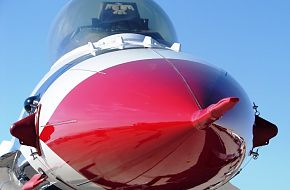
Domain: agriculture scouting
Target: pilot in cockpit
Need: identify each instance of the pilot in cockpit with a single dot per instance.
(86, 21)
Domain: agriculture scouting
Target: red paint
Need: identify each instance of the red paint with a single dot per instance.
(202, 80)
(205, 117)
(36, 180)
(134, 129)
(26, 130)
(48, 132)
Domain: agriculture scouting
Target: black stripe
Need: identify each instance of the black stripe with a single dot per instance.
(59, 72)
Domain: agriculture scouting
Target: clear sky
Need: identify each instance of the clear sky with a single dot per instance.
(250, 39)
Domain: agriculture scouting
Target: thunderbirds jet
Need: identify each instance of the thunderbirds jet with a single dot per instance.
(123, 108)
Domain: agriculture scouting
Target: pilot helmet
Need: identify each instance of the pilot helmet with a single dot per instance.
(83, 21)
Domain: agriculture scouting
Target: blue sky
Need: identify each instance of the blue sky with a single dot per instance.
(250, 39)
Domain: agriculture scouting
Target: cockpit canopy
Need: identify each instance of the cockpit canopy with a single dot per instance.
(83, 21)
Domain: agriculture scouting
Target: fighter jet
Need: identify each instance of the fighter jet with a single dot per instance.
(123, 108)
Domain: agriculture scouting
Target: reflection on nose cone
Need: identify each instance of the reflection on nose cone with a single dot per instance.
(134, 128)
(204, 118)
(210, 85)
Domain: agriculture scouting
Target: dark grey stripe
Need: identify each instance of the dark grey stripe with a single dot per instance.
(59, 72)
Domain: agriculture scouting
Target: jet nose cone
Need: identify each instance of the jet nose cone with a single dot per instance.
(133, 127)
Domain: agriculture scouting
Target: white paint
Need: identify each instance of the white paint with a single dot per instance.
(179, 55)
(148, 41)
(92, 48)
(57, 92)
(176, 47)
(5, 147)
(108, 60)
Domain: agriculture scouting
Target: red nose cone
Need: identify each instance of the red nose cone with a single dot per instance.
(133, 127)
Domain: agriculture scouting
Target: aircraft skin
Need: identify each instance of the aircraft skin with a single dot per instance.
(129, 113)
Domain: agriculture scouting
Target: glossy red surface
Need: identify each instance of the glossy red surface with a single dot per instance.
(210, 85)
(134, 129)
(36, 180)
(205, 117)
(26, 130)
